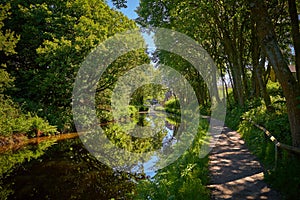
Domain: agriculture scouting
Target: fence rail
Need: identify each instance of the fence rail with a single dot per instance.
(275, 141)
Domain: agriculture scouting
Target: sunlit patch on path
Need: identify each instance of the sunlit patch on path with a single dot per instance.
(235, 173)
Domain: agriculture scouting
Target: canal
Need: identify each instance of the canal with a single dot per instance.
(60, 167)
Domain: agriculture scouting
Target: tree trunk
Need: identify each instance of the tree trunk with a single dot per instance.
(267, 37)
(254, 84)
(262, 87)
(226, 95)
(295, 35)
(231, 84)
(236, 70)
(255, 52)
(232, 51)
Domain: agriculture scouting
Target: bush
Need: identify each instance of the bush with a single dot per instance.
(286, 176)
(61, 117)
(142, 108)
(173, 106)
(205, 109)
(159, 108)
(14, 121)
(274, 89)
(133, 111)
(233, 117)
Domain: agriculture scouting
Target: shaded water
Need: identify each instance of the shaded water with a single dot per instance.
(64, 169)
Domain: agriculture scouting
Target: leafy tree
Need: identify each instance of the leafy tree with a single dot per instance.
(120, 3)
(7, 47)
(56, 36)
(12, 119)
(295, 34)
(267, 36)
(221, 28)
(225, 28)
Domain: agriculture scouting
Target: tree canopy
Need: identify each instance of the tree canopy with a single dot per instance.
(247, 40)
(55, 37)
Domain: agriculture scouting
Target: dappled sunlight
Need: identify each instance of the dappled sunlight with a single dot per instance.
(235, 172)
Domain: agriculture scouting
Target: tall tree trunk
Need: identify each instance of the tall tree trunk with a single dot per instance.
(231, 83)
(267, 37)
(245, 80)
(236, 69)
(232, 49)
(262, 87)
(255, 52)
(237, 85)
(254, 83)
(226, 94)
(295, 35)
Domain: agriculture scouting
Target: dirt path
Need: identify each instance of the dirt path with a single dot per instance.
(235, 172)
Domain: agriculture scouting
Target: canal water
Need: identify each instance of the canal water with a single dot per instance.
(64, 169)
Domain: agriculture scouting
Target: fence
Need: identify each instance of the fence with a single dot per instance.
(275, 141)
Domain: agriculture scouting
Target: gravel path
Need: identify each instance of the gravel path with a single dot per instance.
(236, 173)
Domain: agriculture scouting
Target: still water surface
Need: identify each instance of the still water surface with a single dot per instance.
(64, 169)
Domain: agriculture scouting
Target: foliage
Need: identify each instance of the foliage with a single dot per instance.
(274, 89)
(234, 34)
(6, 81)
(56, 36)
(14, 121)
(233, 117)
(133, 111)
(172, 106)
(147, 92)
(120, 3)
(7, 47)
(285, 176)
(8, 38)
(184, 179)
(205, 109)
(159, 108)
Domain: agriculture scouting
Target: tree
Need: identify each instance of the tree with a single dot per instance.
(220, 27)
(270, 46)
(120, 3)
(295, 35)
(227, 24)
(55, 38)
(7, 47)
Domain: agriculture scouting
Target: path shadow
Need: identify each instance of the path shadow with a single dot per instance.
(235, 173)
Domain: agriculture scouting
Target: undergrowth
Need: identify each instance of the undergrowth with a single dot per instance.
(173, 106)
(13, 121)
(285, 174)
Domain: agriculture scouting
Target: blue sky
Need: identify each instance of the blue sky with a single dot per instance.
(129, 11)
(131, 14)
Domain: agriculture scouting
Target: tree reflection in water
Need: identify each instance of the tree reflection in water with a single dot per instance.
(68, 171)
